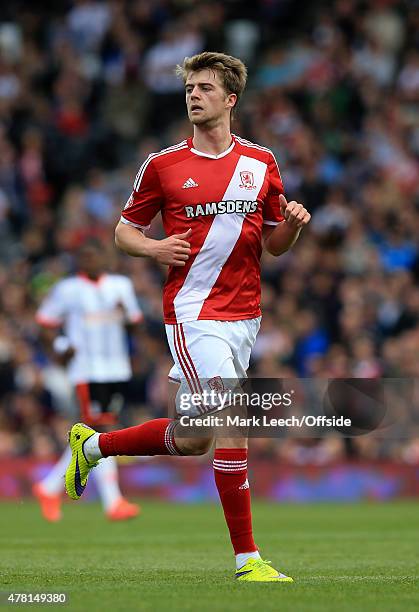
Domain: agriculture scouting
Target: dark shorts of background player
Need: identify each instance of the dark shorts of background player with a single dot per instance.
(101, 403)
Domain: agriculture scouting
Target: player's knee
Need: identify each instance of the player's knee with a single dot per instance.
(194, 446)
(202, 446)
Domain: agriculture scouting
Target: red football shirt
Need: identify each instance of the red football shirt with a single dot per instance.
(225, 199)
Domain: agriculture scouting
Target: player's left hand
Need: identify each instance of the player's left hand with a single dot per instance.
(120, 309)
(295, 215)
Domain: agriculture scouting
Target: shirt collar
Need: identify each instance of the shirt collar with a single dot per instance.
(209, 155)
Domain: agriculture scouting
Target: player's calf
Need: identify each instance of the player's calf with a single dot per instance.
(157, 437)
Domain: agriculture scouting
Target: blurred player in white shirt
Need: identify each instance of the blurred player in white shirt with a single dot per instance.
(85, 319)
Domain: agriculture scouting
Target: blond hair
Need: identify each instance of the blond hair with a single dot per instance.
(232, 71)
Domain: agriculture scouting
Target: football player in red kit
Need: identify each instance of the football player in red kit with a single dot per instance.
(221, 200)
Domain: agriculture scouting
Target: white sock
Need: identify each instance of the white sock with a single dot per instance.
(242, 558)
(105, 475)
(91, 448)
(53, 483)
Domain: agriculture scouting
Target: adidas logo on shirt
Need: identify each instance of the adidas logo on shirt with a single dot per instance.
(189, 183)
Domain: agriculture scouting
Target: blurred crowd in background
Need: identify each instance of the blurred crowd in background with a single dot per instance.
(87, 90)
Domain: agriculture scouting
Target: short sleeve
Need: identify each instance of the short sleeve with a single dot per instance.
(271, 210)
(146, 198)
(129, 300)
(53, 309)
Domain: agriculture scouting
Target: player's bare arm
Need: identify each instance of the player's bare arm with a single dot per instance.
(279, 239)
(172, 251)
(57, 344)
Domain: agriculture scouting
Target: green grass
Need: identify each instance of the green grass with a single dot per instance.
(343, 557)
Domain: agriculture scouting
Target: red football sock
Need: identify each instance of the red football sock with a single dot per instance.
(230, 470)
(152, 438)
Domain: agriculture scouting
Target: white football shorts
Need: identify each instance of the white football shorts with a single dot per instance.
(209, 355)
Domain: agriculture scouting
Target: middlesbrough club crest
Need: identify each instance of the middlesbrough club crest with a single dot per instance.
(247, 180)
(216, 384)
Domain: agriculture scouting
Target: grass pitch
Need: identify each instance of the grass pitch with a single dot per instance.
(357, 557)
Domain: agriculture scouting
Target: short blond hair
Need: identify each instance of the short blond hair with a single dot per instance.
(232, 71)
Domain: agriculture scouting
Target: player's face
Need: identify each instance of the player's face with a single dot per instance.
(91, 261)
(206, 99)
